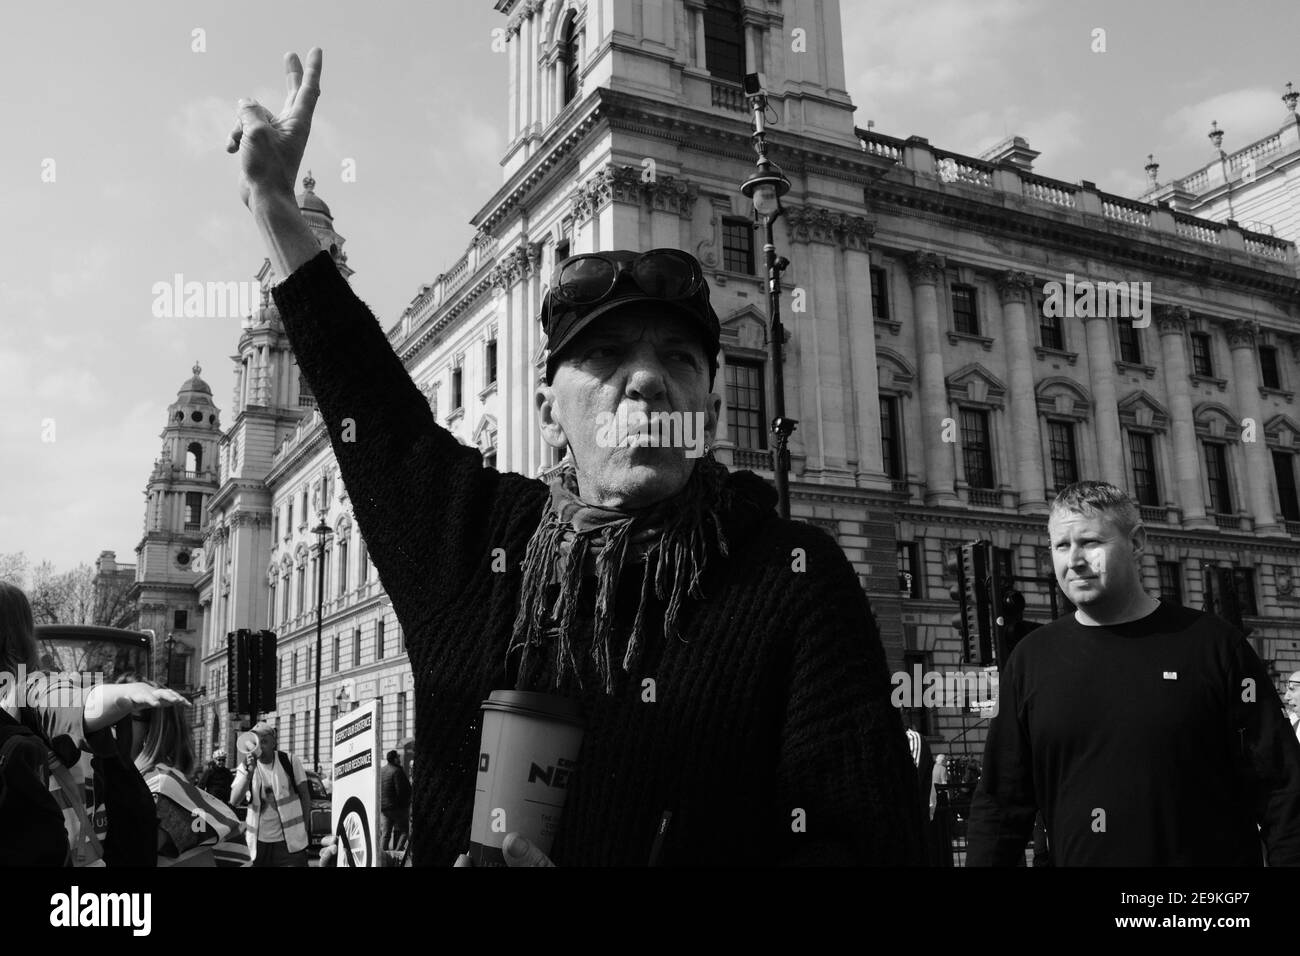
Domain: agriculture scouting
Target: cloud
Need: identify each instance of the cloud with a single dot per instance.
(1245, 115)
(202, 126)
(90, 269)
(919, 52)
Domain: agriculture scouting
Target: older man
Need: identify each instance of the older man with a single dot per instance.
(1147, 734)
(726, 660)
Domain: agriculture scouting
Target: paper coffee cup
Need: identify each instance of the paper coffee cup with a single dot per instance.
(529, 751)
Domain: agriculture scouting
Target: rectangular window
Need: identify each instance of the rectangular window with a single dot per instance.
(379, 639)
(491, 361)
(1065, 459)
(275, 525)
(284, 601)
(401, 716)
(746, 403)
(1216, 472)
(724, 43)
(1244, 581)
(965, 316)
(1201, 361)
(305, 397)
(293, 676)
(1269, 375)
(738, 246)
(1130, 346)
(293, 732)
(365, 563)
(891, 446)
(1171, 582)
(977, 452)
(457, 388)
(343, 567)
(270, 608)
(305, 509)
(915, 664)
(1284, 472)
(193, 510)
(909, 569)
(288, 528)
(1050, 334)
(181, 620)
(1141, 449)
(879, 293)
(302, 589)
(337, 660)
(562, 251)
(356, 648)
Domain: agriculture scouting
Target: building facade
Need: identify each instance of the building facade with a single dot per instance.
(940, 399)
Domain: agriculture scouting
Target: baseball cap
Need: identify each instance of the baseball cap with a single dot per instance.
(670, 278)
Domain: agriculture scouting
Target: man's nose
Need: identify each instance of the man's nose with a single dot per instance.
(646, 379)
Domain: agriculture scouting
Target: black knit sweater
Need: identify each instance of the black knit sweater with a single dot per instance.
(770, 737)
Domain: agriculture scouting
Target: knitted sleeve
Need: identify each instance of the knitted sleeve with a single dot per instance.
(844, 760)
(419, 495)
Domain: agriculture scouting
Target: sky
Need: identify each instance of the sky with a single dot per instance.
(126, 108)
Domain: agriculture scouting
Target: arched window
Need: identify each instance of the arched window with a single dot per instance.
(724, 40)
(194, 457)
(569, 59)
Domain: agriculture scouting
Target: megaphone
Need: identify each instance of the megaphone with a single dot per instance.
(247, 743)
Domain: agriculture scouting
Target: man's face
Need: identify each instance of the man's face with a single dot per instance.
(1292, 696)
(629, 363)
(1096, 563)
(266, 740)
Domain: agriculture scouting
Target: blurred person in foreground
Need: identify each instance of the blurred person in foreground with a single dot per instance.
(1147, 734)
(727, 660)
(190, 821)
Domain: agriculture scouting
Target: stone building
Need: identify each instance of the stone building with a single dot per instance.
(939, 400)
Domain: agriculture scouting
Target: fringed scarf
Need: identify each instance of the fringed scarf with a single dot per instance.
(672, 538)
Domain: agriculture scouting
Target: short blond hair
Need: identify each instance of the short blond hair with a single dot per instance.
(1090, 497)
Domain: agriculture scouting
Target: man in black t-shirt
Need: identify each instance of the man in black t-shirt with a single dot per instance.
(1146, 734)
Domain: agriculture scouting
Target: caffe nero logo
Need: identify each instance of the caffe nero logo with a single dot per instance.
(553, 776)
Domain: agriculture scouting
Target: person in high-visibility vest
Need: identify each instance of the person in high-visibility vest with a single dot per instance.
(281, 802)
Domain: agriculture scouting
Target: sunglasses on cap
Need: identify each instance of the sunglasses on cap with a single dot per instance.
(592, 277)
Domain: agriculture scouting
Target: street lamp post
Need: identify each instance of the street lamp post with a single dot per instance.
(765, 188)
(322, 531)
(171, 643)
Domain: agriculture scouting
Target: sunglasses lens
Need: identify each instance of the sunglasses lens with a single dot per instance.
(665, 275)
(584, 281)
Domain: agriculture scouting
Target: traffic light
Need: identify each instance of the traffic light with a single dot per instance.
(973, 563)
(250, 670)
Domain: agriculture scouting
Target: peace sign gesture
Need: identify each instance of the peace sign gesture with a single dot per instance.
(271, 147)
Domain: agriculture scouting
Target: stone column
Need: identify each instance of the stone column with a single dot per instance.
(1026, 449)
(1171, 323)
(1101, 364)
(1259, 467)
(925, 269)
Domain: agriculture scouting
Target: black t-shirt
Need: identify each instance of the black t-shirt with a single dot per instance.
(1153, 743)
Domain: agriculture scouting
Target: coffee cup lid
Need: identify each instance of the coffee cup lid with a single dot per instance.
(550, 706)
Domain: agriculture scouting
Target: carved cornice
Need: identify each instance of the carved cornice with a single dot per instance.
(1014, 286)
(526, 10)
(817, 224)
(1241, 334)
(924, 267)
(610, 183)
(1172, 319)
(517, 264)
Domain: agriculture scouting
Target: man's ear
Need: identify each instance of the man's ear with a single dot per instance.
(713, 413)
(552, 428)
(1139, 538)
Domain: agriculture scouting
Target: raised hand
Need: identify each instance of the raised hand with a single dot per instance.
(271, 147)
